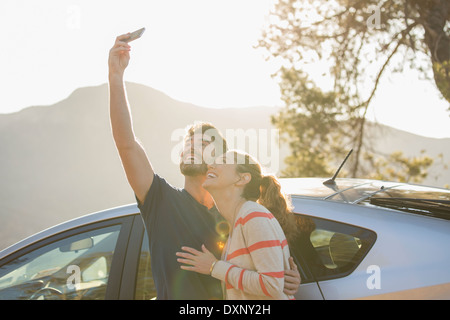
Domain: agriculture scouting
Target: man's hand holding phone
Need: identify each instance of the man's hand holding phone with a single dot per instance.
(119, 55)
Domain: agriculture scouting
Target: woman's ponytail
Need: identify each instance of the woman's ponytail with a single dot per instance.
(266, 190)
(276, 202)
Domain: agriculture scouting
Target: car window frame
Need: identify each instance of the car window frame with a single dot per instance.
(340, 227)
(117, 263)
(133, 254)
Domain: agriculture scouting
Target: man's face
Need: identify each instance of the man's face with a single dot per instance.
(192, 162)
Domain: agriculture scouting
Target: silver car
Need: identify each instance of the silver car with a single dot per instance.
(359, 239)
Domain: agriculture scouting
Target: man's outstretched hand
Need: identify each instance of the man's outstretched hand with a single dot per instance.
(119, 56)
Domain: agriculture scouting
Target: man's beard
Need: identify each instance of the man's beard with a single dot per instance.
(193, 170)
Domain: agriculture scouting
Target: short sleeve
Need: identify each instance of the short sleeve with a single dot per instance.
(157, 194)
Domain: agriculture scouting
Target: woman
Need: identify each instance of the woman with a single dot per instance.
(256, 255)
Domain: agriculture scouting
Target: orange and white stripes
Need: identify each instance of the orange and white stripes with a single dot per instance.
(255, 214)
(257, 246)
(257, 254)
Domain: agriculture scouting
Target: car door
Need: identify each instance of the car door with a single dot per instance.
(85, 262)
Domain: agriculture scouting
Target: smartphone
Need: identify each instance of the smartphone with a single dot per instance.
(135, 35)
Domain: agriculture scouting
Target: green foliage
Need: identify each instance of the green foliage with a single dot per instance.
(357, 41)
(442, 76)
(310, 123)
(397, 167)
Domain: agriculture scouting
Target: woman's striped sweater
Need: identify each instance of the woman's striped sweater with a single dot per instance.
(255, 257)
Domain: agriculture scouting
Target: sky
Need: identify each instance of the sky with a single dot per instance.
(197, 51)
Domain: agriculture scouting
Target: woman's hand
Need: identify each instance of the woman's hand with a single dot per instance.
(292, 278)
(198, 261)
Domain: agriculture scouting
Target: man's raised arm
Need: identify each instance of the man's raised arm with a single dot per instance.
(137, 167)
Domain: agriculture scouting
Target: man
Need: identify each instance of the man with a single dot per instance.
(173, 217)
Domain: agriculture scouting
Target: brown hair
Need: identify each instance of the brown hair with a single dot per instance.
(211, 131)
(266, 190)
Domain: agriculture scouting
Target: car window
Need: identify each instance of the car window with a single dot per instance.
(76, 267)
(330, 249)
(336, 250)
(145, 286)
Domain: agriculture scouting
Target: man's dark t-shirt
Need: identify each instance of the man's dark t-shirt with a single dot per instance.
(173, 218)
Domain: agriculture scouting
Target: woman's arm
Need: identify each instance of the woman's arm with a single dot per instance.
(266, 251)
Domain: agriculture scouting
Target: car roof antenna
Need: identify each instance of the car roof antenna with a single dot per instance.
(331, 181)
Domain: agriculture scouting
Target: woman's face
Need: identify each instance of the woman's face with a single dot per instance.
(222, 173)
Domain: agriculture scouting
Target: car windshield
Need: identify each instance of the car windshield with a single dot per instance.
(411, 198)
(430, 207)
(345, 190)
(421, 200)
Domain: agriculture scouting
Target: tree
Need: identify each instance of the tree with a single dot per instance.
(357, 40)
(397, 167)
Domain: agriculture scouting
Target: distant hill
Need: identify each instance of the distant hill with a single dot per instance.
(59, 162)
